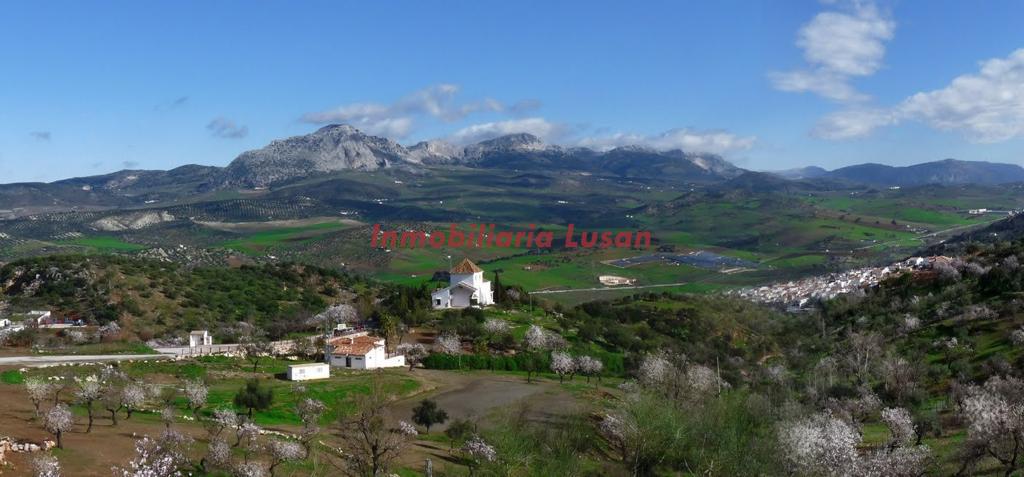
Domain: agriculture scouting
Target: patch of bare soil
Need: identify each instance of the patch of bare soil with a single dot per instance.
(274, 224)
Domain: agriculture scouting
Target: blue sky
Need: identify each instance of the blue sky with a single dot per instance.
(92, 87)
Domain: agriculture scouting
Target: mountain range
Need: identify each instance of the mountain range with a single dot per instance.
(338, 148)
(946, 172)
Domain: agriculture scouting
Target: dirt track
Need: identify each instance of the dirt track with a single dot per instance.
(476, 395)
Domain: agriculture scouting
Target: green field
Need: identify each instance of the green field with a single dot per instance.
(105, 244)
(262, 242)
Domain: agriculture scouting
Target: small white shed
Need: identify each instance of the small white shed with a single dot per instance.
(200, 338)
(307, 371)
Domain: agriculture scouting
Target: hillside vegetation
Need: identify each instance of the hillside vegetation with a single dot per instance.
(153, 299)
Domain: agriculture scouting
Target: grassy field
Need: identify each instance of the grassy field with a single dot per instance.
(265, 241)
(104, 244)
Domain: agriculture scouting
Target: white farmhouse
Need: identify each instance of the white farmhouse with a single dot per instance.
(199, 338)
(307, 371)
(466, 288)
(362, 351)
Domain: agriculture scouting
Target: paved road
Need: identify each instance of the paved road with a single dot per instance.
(36, 361)
(629, 287)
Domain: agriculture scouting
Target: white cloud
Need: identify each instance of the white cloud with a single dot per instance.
(690, 140)
(837, 47)
(852, 123)
(718, 142)
(397, 119)
(539, 127)
(987, 106)
(226, 128)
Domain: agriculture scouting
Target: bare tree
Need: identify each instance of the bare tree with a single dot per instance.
(861, 353)
(310, 411)
(255, 348)
(167, 416)
(374, 439)
(900, 377)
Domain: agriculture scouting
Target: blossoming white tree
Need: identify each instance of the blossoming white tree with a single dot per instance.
(196, 393)
(823, 444)
(57, 421)
(38, 390)
(478, 451)
(341, 313)
(449, 343)
(223, 420)
(994, 414)
(132, 397)
(283, 451)
(414, 353)
(89, 391)
(218, 455)
(562, 364)
(496, 327)
(45, 465)
(536, 338)
(589, 366)
(407, 428)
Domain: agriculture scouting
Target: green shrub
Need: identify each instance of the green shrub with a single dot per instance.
(12, 377)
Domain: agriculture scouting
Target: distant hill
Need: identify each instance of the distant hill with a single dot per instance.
(947, 172)
(809, 172)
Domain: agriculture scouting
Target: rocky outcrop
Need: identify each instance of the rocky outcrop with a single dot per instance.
(133, 221)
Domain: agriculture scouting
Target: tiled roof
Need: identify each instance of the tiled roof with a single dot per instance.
(355, 346)
(466, 266)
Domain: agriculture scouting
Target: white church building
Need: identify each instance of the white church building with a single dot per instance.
(466, 288)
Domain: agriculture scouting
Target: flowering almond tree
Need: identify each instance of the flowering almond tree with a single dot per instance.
(589, 366)
(477, 452)
(994, 414)
(57, 421)
(45, 465)
(413, 352)
(284, 451)
(562, 364)
(196, 393)
(825, 445)
(89, 391)
(39, 390)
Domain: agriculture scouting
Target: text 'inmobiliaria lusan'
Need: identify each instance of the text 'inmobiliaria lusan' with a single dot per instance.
(485, 235)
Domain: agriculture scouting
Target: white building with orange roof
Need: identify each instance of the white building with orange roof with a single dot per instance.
(466, 288)
(362, 351)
